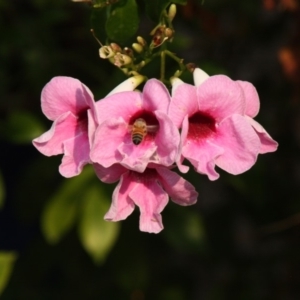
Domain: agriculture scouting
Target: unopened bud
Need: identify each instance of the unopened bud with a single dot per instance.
(137, 47)
(191, 67)
(128, 51)
(115, 47)
(141, 41)
(121, 60)
(172, 12)
(106, 52)
(169, 33)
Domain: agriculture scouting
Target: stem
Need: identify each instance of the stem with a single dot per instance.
(162, 65)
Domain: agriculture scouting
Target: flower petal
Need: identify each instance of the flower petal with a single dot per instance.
(267, 143)
(184, 102)
(155, 96)
(151, 199)
(63, 94)
(122, 206)
(199, 76)
(240, 143)
(76, 155)
(108, 136)
(180, 190)
(220, 97)
(111, 174)
(123, 104)
(51, 142)
(167, 139)
(251, 97)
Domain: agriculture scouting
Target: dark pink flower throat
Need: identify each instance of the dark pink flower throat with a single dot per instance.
(201, 125)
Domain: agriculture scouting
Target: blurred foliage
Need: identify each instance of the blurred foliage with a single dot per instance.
(240, 241)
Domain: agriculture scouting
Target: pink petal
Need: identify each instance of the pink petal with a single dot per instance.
(111, 174)
(76, 155)
(184, 131)
(137, 157)
(123, 104)
(151, 199)
(63, 94)
(155, 96)
(184, 102)
(267, 143)
(167, 139)
(109, 135)
(180, 190)
(199, 76)
(51, 142)
(202, 155)
(251, 97)
(240, 143)
(220, 97)
(122, 206)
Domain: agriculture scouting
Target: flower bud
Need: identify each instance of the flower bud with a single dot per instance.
(115, 47)
(106, 52)
(141, 41)
(128, 51)
(121, 60)
(172, 12)
(137, 47)
(169, 33)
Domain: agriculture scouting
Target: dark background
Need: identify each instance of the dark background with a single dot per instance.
(240, 241)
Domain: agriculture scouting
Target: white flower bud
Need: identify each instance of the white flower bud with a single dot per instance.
(137, 47)
(172, 12)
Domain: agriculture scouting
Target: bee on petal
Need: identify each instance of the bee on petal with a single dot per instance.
(139, 130)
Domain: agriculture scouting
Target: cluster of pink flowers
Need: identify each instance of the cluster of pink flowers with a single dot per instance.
(209, 124)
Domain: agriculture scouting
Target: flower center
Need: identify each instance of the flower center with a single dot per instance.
(201, 125)
(144, 126)
(83, 119)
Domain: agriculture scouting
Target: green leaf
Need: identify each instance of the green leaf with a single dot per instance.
(21, 127)
(7, 260)
(2, 191)
(97, 235)
(122, 22)
(61, 210)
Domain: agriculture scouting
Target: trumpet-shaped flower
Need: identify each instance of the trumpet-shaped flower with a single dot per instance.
(70, 105)
(217, 128)
(149, 191)
(119, 139)
(66, 102)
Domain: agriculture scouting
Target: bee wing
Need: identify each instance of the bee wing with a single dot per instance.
(152, 128)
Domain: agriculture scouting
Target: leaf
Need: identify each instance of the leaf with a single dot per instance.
(61, 210)
(7, 260)
(21, 127)
(97, 235)
(2, 191)
(122, 22)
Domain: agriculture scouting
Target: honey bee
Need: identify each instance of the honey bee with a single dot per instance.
(139, 130)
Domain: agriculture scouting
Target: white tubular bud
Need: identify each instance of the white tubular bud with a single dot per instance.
(172, 12)
(106, 52)
(128, 85)
(137, 47)
(141, 41)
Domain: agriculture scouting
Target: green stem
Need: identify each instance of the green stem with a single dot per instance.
(162, 66)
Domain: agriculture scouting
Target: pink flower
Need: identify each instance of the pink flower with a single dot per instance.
(148, 190)
(66, 102)
(114, 141)
(216, 124)
(70, 105)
